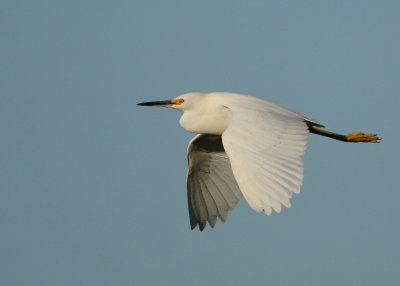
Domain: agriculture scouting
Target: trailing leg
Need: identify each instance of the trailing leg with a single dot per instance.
(352, 137)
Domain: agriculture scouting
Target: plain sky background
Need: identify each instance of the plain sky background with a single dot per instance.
(93, 186)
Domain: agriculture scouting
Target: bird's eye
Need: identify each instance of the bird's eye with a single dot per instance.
(178, 101)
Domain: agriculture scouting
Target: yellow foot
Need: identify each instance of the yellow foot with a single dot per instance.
(361, 137)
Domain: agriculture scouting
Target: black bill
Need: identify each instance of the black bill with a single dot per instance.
(155, 103)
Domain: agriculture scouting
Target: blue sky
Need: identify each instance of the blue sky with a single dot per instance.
(93, 186)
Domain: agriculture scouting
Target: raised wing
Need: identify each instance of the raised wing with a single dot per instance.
(211, 186)
(264, 145)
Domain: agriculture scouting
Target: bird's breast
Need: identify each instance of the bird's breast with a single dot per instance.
(209, 122)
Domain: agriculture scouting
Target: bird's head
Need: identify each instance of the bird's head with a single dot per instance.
(183, 102)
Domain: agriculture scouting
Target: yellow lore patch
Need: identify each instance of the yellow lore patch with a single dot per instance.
(177, 101)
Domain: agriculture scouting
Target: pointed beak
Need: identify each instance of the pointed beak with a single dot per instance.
(157, 103)
(166, 103)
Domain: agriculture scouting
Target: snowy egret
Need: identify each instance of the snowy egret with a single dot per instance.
(244, 146)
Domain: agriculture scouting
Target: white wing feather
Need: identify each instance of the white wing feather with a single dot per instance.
(264, 143)
(212, 189)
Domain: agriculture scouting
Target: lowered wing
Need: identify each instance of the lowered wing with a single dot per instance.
(211, 187)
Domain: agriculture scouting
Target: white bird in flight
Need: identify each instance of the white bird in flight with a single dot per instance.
(244, 146)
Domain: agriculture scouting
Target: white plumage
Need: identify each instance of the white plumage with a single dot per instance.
(246, 146)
